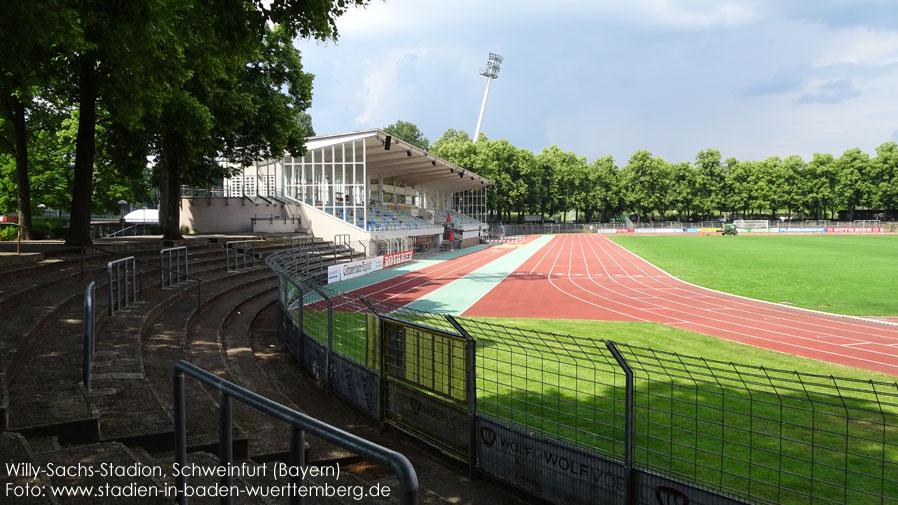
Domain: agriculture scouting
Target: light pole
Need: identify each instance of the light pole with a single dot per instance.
(122, 204)
(492, 72)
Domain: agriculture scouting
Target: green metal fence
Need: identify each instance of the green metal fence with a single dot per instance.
(562, 417)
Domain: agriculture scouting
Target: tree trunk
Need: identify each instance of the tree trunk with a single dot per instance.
(82, 191)
(24, 187)
(170, 191)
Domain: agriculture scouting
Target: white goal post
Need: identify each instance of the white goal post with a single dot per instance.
(752, 225)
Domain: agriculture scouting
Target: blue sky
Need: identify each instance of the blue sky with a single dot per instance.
(752, 79)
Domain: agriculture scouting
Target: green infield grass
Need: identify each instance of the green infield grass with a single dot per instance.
(763, 434)
(794, 440)
(843, 274)
(669, 339)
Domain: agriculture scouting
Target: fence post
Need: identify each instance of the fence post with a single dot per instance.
(628, 421)
(382, 380)
(89, 333)
(471, 394)
(180, 425)
(109, 286)
(330, 337)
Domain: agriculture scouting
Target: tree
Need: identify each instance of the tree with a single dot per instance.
(408, 132)
(709, 178)
(569, 174)
(853, 187)
(646, 181)
(240, 105)
(684, 192)
(790, 184)
(603, 189)
(32, 34)
(152, 63)
(304, 119)
(884, 175)
(821, 179)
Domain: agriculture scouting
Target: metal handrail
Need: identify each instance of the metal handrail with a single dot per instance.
(115, 288)
(236, 246)
(18, 233)
(302, 240)
(299, 424)
(123, 230)
(90, 332)
(199, 285)
(176, 253)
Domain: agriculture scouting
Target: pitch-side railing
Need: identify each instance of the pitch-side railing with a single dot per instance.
(299, 424)
(90, 332)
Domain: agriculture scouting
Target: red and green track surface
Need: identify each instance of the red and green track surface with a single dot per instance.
(582, 276)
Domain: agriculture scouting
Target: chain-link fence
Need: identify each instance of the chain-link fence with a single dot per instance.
(562, 417)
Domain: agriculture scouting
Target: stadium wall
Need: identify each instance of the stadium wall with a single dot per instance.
(233, 215)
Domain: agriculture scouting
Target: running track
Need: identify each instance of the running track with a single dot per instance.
(591, 277)
(409, 287)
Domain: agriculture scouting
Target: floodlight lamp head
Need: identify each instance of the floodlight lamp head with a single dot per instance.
(493, 64)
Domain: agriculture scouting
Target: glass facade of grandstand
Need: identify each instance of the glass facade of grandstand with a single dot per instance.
(333, 179)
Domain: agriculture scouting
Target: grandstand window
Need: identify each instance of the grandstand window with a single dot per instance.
(249, 185)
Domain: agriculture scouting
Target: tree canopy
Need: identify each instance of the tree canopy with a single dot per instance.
(408, 132)
(186, 82)
(556, 182)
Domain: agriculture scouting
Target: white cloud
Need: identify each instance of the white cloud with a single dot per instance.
(860, 45)
(383, 87)
(692, 15)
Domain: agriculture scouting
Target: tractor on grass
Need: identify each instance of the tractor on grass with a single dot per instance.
(730, 229)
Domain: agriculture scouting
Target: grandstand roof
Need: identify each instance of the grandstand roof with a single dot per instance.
(404, 161)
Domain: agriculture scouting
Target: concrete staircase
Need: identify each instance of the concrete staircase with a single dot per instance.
(230, 329)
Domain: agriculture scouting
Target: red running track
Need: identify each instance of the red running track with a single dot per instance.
(407, 288)
(591, 277)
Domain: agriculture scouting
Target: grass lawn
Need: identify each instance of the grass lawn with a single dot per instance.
(843, 274)
(667, 338)
(758, 433)
(755, 430)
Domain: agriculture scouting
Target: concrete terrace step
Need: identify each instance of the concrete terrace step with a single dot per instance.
(288, 378)
(14, 449)
(43, 373)
(107, 460)
(131, 410)
(25, 281)
(267, 435)
(438, 483)
(164, 343)
(48, 357)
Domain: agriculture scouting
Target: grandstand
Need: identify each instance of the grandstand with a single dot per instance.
(465, 222)
(366, 184)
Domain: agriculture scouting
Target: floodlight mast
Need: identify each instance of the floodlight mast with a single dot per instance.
(491, 72)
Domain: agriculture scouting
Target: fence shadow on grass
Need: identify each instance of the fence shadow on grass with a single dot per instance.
(765, 436)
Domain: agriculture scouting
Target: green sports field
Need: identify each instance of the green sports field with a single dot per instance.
(844, 274)
(785, 438)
